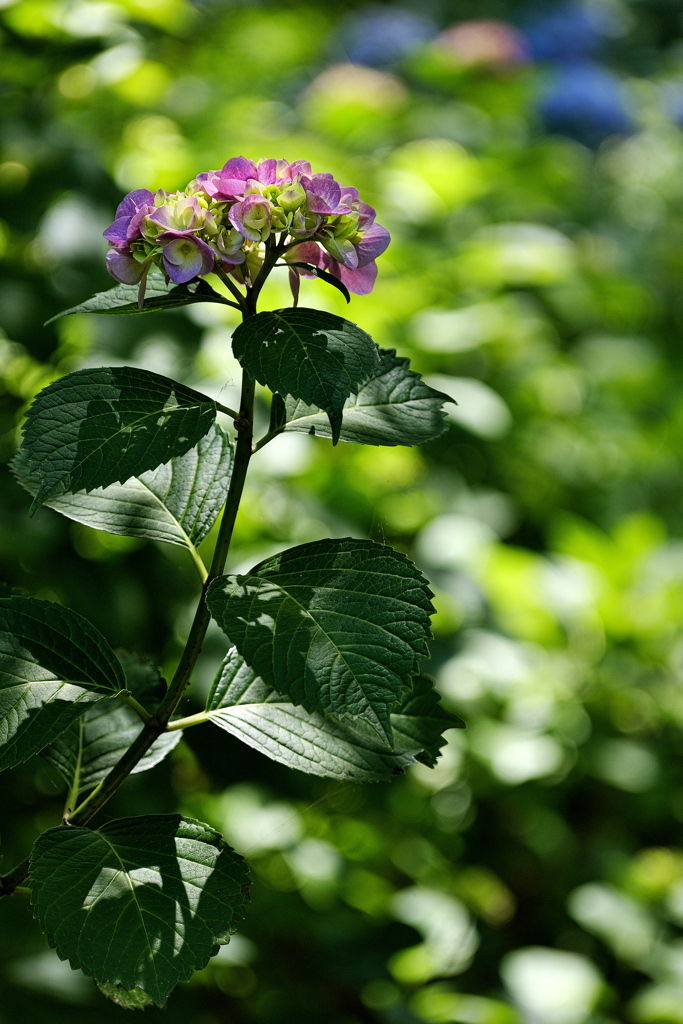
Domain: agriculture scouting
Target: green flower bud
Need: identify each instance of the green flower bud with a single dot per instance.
(279, 219)
(292, 198)
(345, 226)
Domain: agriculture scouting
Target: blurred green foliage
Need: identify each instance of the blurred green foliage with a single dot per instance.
(535, 874)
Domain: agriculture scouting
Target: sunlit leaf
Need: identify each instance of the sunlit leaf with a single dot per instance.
(246, 707)
(53, 665)
(141, 902)
(89, 749)
(393, 406)
(337, 625)
(123, 299)
(311, 355)
(97, 427)
(177, 503)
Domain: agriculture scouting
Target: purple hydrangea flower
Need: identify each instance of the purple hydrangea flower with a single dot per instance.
(226, 220)
(185, 256)
(123, 266)
(129, 215)
(251, 217)
(185, 215)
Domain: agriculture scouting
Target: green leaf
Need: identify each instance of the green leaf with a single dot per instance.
(418, 724)
(141, 902)
(247, 708)
(314, 356)
(123, 299)
(89, 749)
(177, 503)
(337, 625)
(393, 406)
(97, 427)
(45, 650)
(143, 680)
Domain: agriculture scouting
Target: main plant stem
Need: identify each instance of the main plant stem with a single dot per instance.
(244, 426)
(161, 717)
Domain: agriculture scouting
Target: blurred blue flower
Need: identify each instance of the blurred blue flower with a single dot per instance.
(672, 101)
(378, 36)
(569, 32)
(585, 102)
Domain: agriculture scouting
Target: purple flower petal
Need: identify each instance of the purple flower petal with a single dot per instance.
(129, 214)
(299, 168)
(295, 283)
(366, 216)
(118, 231)
(307, 252)
(266, 172)
(131, 203)
(174, 216)
(251, 217)
(372, 244)
(349, 195)
(186, 256)
(135, 226)
(323, 194)
(360, 282)
(123, 267)
(239, 168)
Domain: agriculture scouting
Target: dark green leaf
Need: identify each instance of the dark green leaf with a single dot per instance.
(141, 902)
(337, 625)
(317, 357)
(44, 651)
(143, 680)
(394, 406)
(123, 299)
(418, 724)
(97, 427)
(246, 707)
(324, 275)
(177, 503)
(89, 749)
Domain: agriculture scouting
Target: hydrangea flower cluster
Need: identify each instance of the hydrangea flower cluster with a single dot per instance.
(224, 221)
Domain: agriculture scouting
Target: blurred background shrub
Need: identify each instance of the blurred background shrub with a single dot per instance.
(528, 160)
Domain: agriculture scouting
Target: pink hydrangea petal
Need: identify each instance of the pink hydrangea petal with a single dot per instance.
(360, 282)
(240, 168)
(298, 168)
(323, 194)
(307, 252)
(267, 172)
